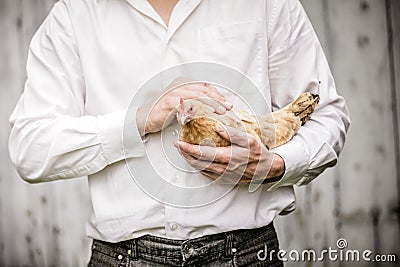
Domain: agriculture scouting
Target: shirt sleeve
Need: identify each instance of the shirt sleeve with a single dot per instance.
(51, 136)
(297, 64)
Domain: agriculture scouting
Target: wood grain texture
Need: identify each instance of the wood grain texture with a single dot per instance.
(9, 75)
(360, 62)
(40, 225)
(347, 200)
(393, 23)
(43, 225)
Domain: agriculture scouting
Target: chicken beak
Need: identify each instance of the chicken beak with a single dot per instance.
(185, 119)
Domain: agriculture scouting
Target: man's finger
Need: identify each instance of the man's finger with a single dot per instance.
(207, 153)
(193, 150)
(187, 156)
(213, 93)
(213, 167)
(196, 163)
(203, 165)
(218, 107)
(205, 93)
(235, 136)
(217, 168)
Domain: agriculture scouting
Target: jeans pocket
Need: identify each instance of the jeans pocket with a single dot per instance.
(261, 250)
(103, 255)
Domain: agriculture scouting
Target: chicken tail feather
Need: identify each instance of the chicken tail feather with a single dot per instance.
(304, 106)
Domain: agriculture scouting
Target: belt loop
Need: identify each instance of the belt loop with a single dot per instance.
(132, 249)
(229, 244)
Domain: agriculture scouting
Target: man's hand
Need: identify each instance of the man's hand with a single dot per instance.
(157, 115)
(246, 159)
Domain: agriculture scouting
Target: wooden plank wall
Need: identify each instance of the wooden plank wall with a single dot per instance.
(43, 225)
(393, 21)
(357, 200)
(40, 225)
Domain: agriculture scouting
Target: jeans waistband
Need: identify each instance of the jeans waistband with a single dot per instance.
(177, 251)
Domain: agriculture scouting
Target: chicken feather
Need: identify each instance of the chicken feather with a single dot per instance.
(199, 123)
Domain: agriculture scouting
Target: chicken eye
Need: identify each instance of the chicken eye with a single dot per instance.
(191, 109)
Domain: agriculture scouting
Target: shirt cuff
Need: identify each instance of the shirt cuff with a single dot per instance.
(120, 138)
(296, 158)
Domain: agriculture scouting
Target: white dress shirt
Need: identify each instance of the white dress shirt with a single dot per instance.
(88, 59)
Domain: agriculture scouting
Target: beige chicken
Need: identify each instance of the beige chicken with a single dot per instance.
(199, 122)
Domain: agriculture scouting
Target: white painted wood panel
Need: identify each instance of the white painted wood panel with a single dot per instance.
(43, 225)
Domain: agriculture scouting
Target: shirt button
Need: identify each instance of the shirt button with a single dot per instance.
(175, 178)
(174, 226)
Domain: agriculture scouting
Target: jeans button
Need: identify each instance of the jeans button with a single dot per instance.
(189, 249)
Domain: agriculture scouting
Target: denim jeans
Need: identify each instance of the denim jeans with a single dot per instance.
(234, 248)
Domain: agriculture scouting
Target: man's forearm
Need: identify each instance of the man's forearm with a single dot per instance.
(277, 169)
